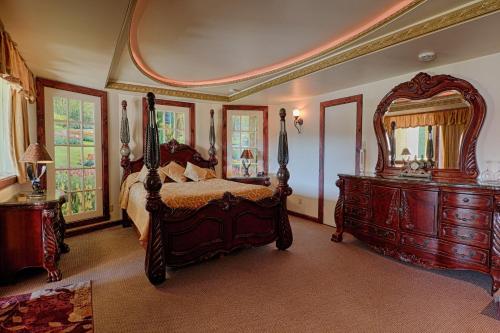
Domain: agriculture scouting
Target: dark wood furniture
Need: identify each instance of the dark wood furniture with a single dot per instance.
(257, 180)
(265, 138)
(31, 235)
(178, 237)
(449, 221)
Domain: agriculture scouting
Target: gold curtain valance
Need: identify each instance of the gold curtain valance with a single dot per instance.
(13, 68)
(430, 118)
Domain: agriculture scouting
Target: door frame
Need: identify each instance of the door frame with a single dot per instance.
(41, 84)
(358, 99)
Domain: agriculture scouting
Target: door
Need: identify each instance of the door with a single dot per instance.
(385, 206)
(419, 211)
(73, 138)
(340, 143)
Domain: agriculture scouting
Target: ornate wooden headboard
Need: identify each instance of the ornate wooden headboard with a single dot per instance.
(170, 151)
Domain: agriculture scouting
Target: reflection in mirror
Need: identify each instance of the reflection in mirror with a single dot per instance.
(429, 130)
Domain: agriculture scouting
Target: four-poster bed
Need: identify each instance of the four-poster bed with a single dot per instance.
(177, 235)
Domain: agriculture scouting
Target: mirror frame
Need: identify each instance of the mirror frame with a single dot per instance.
(424, 86)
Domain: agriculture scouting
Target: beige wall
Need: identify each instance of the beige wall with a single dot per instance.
(482, 72)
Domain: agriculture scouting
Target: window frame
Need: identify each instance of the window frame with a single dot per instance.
(41, 84)
(192, 118)
(265, 140)
(10, 178)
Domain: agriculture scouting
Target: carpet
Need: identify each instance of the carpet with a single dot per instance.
(63, 309)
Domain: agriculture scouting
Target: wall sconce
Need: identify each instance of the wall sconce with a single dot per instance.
(297, 122)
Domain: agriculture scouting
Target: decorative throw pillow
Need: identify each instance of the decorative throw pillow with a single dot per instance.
(175, 172)
(196, 173)
(144, 173)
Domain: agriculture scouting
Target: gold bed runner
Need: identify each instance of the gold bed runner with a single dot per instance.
(196, 194)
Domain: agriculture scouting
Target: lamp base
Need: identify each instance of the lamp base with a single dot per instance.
(35, 195)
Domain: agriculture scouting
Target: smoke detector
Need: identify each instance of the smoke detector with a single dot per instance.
(427, 56)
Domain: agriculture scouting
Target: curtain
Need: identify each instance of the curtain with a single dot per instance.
(429, 118)
(19, 133)
(451, 135)
(13, 68)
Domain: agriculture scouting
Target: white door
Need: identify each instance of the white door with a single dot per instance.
(340, 152)
(73, 138)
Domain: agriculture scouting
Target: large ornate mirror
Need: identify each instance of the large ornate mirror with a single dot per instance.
(432, 120)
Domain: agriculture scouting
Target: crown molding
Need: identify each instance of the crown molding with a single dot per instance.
(166, 92)
(449, 19)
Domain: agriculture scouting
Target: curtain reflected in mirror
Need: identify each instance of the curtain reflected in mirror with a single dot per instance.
(429, 130)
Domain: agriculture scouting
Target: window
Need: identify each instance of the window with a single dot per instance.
(171, 125)
(413, 138)
(75, 134)
(6, 164)
(246, 128)
(175, 120)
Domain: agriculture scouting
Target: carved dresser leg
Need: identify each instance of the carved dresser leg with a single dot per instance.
(495, 251)
(339, 213)
(50, 245)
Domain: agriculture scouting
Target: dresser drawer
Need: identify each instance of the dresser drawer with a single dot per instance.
(458, 252)
(467, 200)
(467, 217)
(466, 235)
(357, 199)
(357, 185)
(358, 227)
(357, 212)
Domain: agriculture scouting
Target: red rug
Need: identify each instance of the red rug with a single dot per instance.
(63, 309)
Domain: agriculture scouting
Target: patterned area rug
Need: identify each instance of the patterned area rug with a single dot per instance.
(63, 309)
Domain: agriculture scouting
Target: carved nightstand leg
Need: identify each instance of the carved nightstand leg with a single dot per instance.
(50, 245)
(60, 231)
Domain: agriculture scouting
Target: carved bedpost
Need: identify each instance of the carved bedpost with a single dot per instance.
(339, 213)
(212, 152)
(285, 237)
(155, 264)
(125, 139)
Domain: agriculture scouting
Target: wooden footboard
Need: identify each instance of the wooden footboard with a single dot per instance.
(178, 237)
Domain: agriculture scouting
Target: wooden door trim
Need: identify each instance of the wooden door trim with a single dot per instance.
(41, 84)
(358, 99)
(265, 140)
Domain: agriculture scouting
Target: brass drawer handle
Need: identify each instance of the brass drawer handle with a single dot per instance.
(471, 254)
(464, 219)
(466, 200)
(469, 236)
(410, 226)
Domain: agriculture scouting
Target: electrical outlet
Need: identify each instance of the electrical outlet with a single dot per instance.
(299, 201)
(111, 208)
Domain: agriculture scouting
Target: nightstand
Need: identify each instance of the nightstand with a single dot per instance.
(256, 180)
(32, 234)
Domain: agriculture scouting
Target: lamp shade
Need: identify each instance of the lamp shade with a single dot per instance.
(296, 112)
(36, 153)
(247, 154)
(405, 152)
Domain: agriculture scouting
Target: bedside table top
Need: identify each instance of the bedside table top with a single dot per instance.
(22, 198)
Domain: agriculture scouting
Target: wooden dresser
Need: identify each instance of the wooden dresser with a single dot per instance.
(431, 224)
(31, 235)
(424, 204)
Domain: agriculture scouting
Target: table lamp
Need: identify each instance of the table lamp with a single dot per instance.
(406, 153)
(246, 156)
(35, 154)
